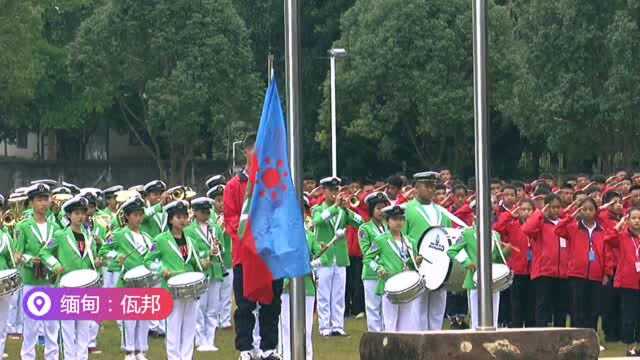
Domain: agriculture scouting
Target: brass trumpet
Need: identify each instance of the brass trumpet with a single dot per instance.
(57, 200)
(354, 201)
(9, 219)
(177, 193)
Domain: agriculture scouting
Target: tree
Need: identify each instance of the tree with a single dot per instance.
(176, 71)
(406, 89)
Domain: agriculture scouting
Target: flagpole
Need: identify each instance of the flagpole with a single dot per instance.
(293, 89)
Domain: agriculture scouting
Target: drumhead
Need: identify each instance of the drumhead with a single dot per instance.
(498, 271)
(79, 278)
(4, 274)
(433, 248)
(136, 272)
(185, 278)
(401, 281)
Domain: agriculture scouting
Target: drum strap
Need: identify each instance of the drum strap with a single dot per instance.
(496, 243)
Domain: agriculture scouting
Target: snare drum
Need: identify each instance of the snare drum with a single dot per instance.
(140, 277)
(81, 279)
(501, 275)
(189, 285)
(404, 287)
(437, 268)
(10, 282)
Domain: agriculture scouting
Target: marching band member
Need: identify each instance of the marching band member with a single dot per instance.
(422, 214)
(31, 235)
(216, 193)
(111, 270)
(73, 249)
(127, 248)
(549, 265)
(395, 252)
(16, 314)
(207, 237)
(509, 226)
(153, 224)
(328, 218)
(173, 252)
(366, 234)
(466, 253)
(394, 188)
(109, 194)
(7, 262)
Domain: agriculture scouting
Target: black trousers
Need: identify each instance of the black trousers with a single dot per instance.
(552, 301)
(631, 315)
(586, 303)
(522, 302)
(457, 304)
(504, 310)
(354, 298)
(245, 321)
(611, 319)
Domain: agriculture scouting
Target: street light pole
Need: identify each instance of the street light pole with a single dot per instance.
(485, 300)
(333, 54)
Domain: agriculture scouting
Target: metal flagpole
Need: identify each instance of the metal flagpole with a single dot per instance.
(334, 140)
(292, 64)
(483, 197)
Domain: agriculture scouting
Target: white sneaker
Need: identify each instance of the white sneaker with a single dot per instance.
(141, 356)
(245, 355)
(602, 348)
(130, 357)
(207, 348)
(5, 356)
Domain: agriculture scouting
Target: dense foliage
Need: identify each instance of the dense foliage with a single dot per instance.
(187, 79)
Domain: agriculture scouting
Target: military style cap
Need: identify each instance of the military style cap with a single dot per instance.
(215, 191)
(376, 198)
(427, 176)
(176, 207)
(134, 204)
(111, 191)
(155, 186)
(75, 203)
(331, 182)
(201, 203)
(215, 181)
(39, 189)
(393, 211)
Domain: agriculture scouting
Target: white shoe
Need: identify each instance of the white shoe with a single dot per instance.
(130, 357)
(5, 356)
(207, 348)
(245, 355)
(141, 356)
(602, 348)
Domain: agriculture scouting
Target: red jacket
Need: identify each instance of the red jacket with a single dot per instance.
(510, 231)
(233, 200)
(464, 212)
(580, 243)
(352, 242)
(609, 221)
(549, 259)
(626, 275)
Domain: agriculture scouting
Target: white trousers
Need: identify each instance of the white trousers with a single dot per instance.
(181, 330)
(158, 326)
(75, 339)
(16, 316)
(373, 306)
(472, 296)
(285, 326)
(226, 294)
(402, 317)
(4, 316)
(332, 281)
(136, 335)
(208, 315)
(110, 279)
(31, 331)
(434, 304)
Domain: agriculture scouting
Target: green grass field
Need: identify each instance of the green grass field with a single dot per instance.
(332, 348)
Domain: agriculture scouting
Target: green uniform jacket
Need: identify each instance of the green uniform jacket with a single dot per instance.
(386, 256)
(309, 285)
(165, 255)
(203, 248)
(29, 242)
(226, 240)
(63, 252)
(6, 251)
(466, 253)
(326, 219)
(154, 221)
(122, 244)
(367, 232)
(417, 220)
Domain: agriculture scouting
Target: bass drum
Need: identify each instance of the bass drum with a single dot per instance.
(437, 268)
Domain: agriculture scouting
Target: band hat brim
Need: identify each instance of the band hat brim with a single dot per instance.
(76, 202)
(394, 211)
(331, 181)
(426, 176)
(201, 203)
(377, 197)
(155, 185)
(176, 205)
(215, 191)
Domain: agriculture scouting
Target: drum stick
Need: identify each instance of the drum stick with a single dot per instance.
(339, 235)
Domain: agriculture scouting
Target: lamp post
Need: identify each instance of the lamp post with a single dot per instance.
(333, 55)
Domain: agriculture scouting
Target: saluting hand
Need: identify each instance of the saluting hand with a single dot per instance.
(622, 222)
